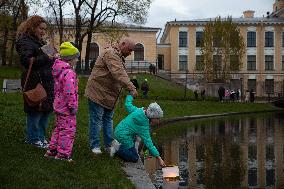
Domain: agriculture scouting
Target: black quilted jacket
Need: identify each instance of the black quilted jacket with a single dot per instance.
(27, 47)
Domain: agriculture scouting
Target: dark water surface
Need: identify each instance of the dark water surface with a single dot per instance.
(229, 152)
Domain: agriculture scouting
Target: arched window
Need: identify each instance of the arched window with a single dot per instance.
(138, 52)
(94, 53)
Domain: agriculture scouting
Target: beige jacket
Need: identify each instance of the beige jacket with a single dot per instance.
(107, 79)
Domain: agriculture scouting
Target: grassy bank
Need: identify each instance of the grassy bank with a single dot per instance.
(23, 166)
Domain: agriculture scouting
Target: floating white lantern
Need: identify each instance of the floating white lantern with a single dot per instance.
(170, 172)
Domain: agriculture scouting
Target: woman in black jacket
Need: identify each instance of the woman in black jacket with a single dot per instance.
(29, 41)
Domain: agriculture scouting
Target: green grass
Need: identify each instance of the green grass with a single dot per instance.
(23, 166)
(10, 72)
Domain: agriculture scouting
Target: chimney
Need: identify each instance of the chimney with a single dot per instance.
(248, 14)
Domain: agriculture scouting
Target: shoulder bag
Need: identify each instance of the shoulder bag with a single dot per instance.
(36, 96)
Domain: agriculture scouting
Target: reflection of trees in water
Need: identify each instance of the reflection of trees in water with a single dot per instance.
(223, 167)
(221, 151)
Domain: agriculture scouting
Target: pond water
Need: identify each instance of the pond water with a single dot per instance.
(228, 152)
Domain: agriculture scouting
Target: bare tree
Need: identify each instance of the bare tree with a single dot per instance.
(80, 14)
(3, 3)
(19, 11)
(57, 7)
(5, 25)
(103, 15)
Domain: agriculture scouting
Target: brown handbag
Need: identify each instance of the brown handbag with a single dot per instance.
(36, 96)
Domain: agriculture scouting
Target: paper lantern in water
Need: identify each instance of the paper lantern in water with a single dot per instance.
(170, 172)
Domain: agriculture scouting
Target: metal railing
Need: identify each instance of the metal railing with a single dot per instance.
(196, 81)
(131, 67)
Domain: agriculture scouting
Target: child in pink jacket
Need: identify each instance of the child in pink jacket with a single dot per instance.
(65, 103)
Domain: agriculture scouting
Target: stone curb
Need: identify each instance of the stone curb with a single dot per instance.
(137, 174)
(185, 118)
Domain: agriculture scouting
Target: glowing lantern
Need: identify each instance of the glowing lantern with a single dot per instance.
(170, 173)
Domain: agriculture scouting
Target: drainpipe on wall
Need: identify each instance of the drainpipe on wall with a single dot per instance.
(156, 67)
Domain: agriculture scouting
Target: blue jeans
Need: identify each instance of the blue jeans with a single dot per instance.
(37, 122)
(129, 154)
(99, 117)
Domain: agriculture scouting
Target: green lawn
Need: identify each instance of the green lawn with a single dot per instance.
(23, 166)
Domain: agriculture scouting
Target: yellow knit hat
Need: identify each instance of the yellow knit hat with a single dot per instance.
(68, 51)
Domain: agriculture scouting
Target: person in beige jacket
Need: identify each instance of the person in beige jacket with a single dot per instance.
(104, 85)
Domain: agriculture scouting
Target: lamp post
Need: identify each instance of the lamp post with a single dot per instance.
(242, 90)
(185, 85)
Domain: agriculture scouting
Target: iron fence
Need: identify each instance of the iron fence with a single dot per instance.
(131, 67)
(264, 89)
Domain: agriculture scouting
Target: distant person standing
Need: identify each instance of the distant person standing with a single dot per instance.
(247, 96)
(227, 95)
(195, 95)
(251, 95)
(221, 93)
(240, 95)
(135, 82)
(145, 88)
(202, 94)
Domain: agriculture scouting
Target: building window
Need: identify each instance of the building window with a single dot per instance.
(251, 62)
(94, 53)
(251, 39)
(282, 62)
(217, 62)
(217, 41)
(199, 36)
(252, 84)
(182, 62)
(234, 63)
(269, 39)
(160, 61)
(199, 63)
(269, 86)
(138, 52)
(270, 178)
(282, 39)
(182, 39)
(269, 62)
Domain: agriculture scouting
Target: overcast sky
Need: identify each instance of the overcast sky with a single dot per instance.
(162, 11)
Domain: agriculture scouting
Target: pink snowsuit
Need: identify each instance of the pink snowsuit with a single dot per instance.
(65, 106)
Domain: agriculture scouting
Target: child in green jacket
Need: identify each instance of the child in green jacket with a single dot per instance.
(137, 123)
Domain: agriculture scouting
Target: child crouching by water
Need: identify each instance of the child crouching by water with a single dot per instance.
(137, 123)
(65, 103)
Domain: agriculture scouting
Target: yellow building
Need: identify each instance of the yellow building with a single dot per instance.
(145, 38)
(263, 61)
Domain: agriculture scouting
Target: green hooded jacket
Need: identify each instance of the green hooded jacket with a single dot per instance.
(135, 124)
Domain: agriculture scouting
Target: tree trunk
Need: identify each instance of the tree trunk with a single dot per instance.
(11, 57)
(13, 40)
(87, 57)
(4, 47)
(60, 30)
(77, 38)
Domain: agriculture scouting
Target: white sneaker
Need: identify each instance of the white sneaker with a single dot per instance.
(115, 145)
(96, 151)
(46, 143)
(137, 142)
